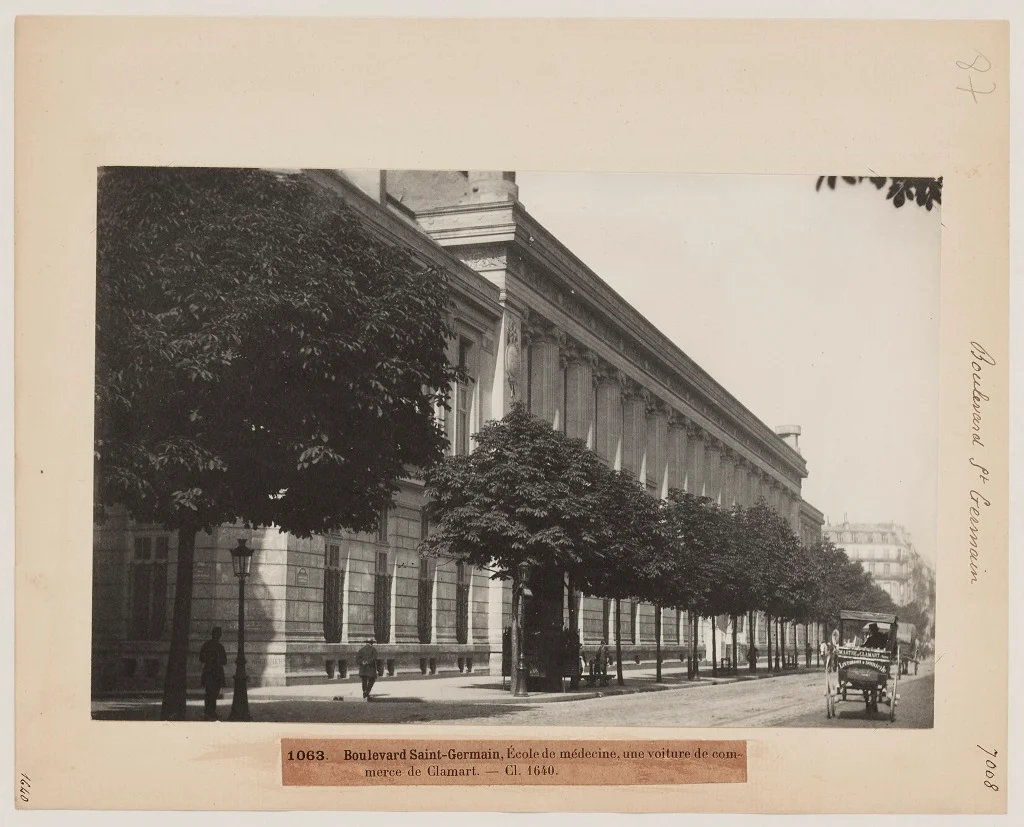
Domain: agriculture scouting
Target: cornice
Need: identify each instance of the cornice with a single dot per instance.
(503, 236)
(464, 281)
(697, 387)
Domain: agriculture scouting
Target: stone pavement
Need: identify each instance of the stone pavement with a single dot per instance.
(446, 697)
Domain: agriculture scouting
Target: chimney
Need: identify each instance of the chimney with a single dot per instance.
(790, 435)
(486, 186)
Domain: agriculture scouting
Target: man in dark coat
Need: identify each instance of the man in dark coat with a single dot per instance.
(367, 658)
(213, 657)
(876, 639)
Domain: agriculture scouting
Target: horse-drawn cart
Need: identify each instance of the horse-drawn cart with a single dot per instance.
(864, 656)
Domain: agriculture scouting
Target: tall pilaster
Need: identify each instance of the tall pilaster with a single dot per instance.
(678, 439)
(634, 430)
(579, 393)
(546, 378)
(695, 461)
(713, 478)
(658, 447)
(608, 419)
(728, 466)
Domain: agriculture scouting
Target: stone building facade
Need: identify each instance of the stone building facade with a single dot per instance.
(885, 551)
(532, 323)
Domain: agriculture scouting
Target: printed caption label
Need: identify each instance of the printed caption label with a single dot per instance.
(340, 762)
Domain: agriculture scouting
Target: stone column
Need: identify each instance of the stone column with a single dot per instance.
(678, 439)
(579, 393)
(658, 447)
(546, 379)
(728, 465)
(608, 419)
(740, 480)
(713, 477)
(695, 460)
(634, 430)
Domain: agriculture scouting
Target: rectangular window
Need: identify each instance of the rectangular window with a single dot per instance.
(885, 568)
(382, 525)
(462, 421)
(606, 617)
(382, 599)
(463, 400)
(334, 593)
(148, 598)
(462, 603)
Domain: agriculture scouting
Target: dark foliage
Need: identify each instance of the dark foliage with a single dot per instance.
(925, 192)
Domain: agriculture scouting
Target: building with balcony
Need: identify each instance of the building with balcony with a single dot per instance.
(885, 551)
(532, 323)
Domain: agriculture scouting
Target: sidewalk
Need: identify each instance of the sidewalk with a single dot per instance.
(487, 689)
(461, 690)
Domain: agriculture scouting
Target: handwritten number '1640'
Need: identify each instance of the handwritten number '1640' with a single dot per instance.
(979, 64)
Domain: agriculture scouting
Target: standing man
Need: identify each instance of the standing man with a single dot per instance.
(368, 666)
(213, 658)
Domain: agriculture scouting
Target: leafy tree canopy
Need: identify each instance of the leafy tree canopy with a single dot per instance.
(527, 494)
(260, 356)
(633, 558)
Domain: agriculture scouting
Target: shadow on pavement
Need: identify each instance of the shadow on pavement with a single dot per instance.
(382, 710)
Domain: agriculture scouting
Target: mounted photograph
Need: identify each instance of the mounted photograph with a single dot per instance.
(515, 448)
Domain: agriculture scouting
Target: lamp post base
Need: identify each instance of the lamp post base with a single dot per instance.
(240, 700)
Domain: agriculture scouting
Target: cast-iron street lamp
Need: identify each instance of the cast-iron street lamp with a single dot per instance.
(520, 665)
(241, 559)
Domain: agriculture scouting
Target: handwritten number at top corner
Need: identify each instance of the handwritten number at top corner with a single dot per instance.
(980, 64)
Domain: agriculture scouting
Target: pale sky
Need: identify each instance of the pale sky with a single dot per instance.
(813, 308)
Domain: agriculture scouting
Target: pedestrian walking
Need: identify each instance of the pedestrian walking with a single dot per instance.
(367, 657)
(213, 658)
(601, 663)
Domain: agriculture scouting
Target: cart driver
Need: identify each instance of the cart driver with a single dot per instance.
(876, 639)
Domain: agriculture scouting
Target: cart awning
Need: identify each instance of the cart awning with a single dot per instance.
(847, 614)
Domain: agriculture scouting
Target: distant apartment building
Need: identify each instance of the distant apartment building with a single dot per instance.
(885, 551)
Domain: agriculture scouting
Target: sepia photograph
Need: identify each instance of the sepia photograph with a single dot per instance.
(515, 448)
(514, 415)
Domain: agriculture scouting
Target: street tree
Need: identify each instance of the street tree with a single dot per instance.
(770, 558)
(632, 559)
(261, 359)
(528, 499)
(696, 535)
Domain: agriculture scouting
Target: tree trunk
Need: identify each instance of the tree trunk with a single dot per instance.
(735, 623)
(714, 646)
(768, 638)
(618, 642)
(657, 643)
(691, 621)
(751, 641)
(782, 641)
(176, 680)
(518, 683)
